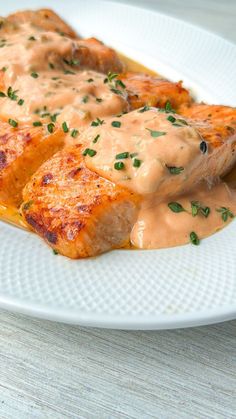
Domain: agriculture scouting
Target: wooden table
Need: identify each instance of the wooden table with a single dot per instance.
(51, 370)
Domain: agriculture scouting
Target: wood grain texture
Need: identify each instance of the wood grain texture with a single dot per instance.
(56, 371)
(52, 370)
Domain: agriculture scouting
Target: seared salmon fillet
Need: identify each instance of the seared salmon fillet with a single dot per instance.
(215, 122)
(44, 19)
(22, 151)
(153, 91)
(179, 152)
(76, 211)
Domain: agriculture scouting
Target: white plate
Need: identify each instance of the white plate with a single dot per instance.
(168, 288)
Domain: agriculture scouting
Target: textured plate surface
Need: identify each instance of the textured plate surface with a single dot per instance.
(167, 288)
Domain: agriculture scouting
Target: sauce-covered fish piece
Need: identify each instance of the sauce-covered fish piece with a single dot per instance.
(43, 19)
(22, 151)
(144, 89)
(76, 211)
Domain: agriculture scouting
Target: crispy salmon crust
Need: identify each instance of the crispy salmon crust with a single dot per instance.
(153, 91)
(44, 19)
(94, 55)
(22, 151)
(216, 123)
(77, 212)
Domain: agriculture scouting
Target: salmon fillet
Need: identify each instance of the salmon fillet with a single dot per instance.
(217, 125)
(144, 90)
(22, 151)
(77, 212)
(44, 19)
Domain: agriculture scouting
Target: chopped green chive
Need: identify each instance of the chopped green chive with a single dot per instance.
(65, 127)
(85, 99)
(137, 162)
(98, 99)
(90, 80)
(12, 122)
(74, 133)
(4, 69)
(168, 107)
(175, 207)
(116, 91)
(175, 170)
(34, 75)
(120, 83)
(110, 77)
(121, 156)
(37, 124)
(95, 140)
(97, 122)
(194, 238)
(51, 65)
(20, 102)
(2, 94)
(156, 134)
(55, 251)
(73, 61)
(32, 38)
(119, 165)
(225, 213)
(12, 93)
(89, 152)
(116, 124)
(180, 122)
(144, 109)
(171, 118)
(69, 72)
(50, 128)
(54, 117)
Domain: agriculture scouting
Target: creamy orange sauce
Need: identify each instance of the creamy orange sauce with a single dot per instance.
(158, 226)
(155, 142)
(153, 146)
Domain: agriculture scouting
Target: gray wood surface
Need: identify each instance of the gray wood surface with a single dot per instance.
(51, 370)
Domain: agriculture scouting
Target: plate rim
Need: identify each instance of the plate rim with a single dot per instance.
(135, 322)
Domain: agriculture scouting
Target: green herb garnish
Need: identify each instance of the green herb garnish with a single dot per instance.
(12, 93)
(123, 155)
(65, 127)
(144, 109)
(97, 122)
(137, 162)
(74, 133)
(37, 124)
(194, 238)
(176, 207)
(34, 75)
(116, 124)
(89, 152)
(225, 213)
(196, 208)
(20, 102)
(175, 170)
(95, 140)
(85, 99)
(13, 123)
(110, 77)
(156, 134)
(119, 165)
(50, 127)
